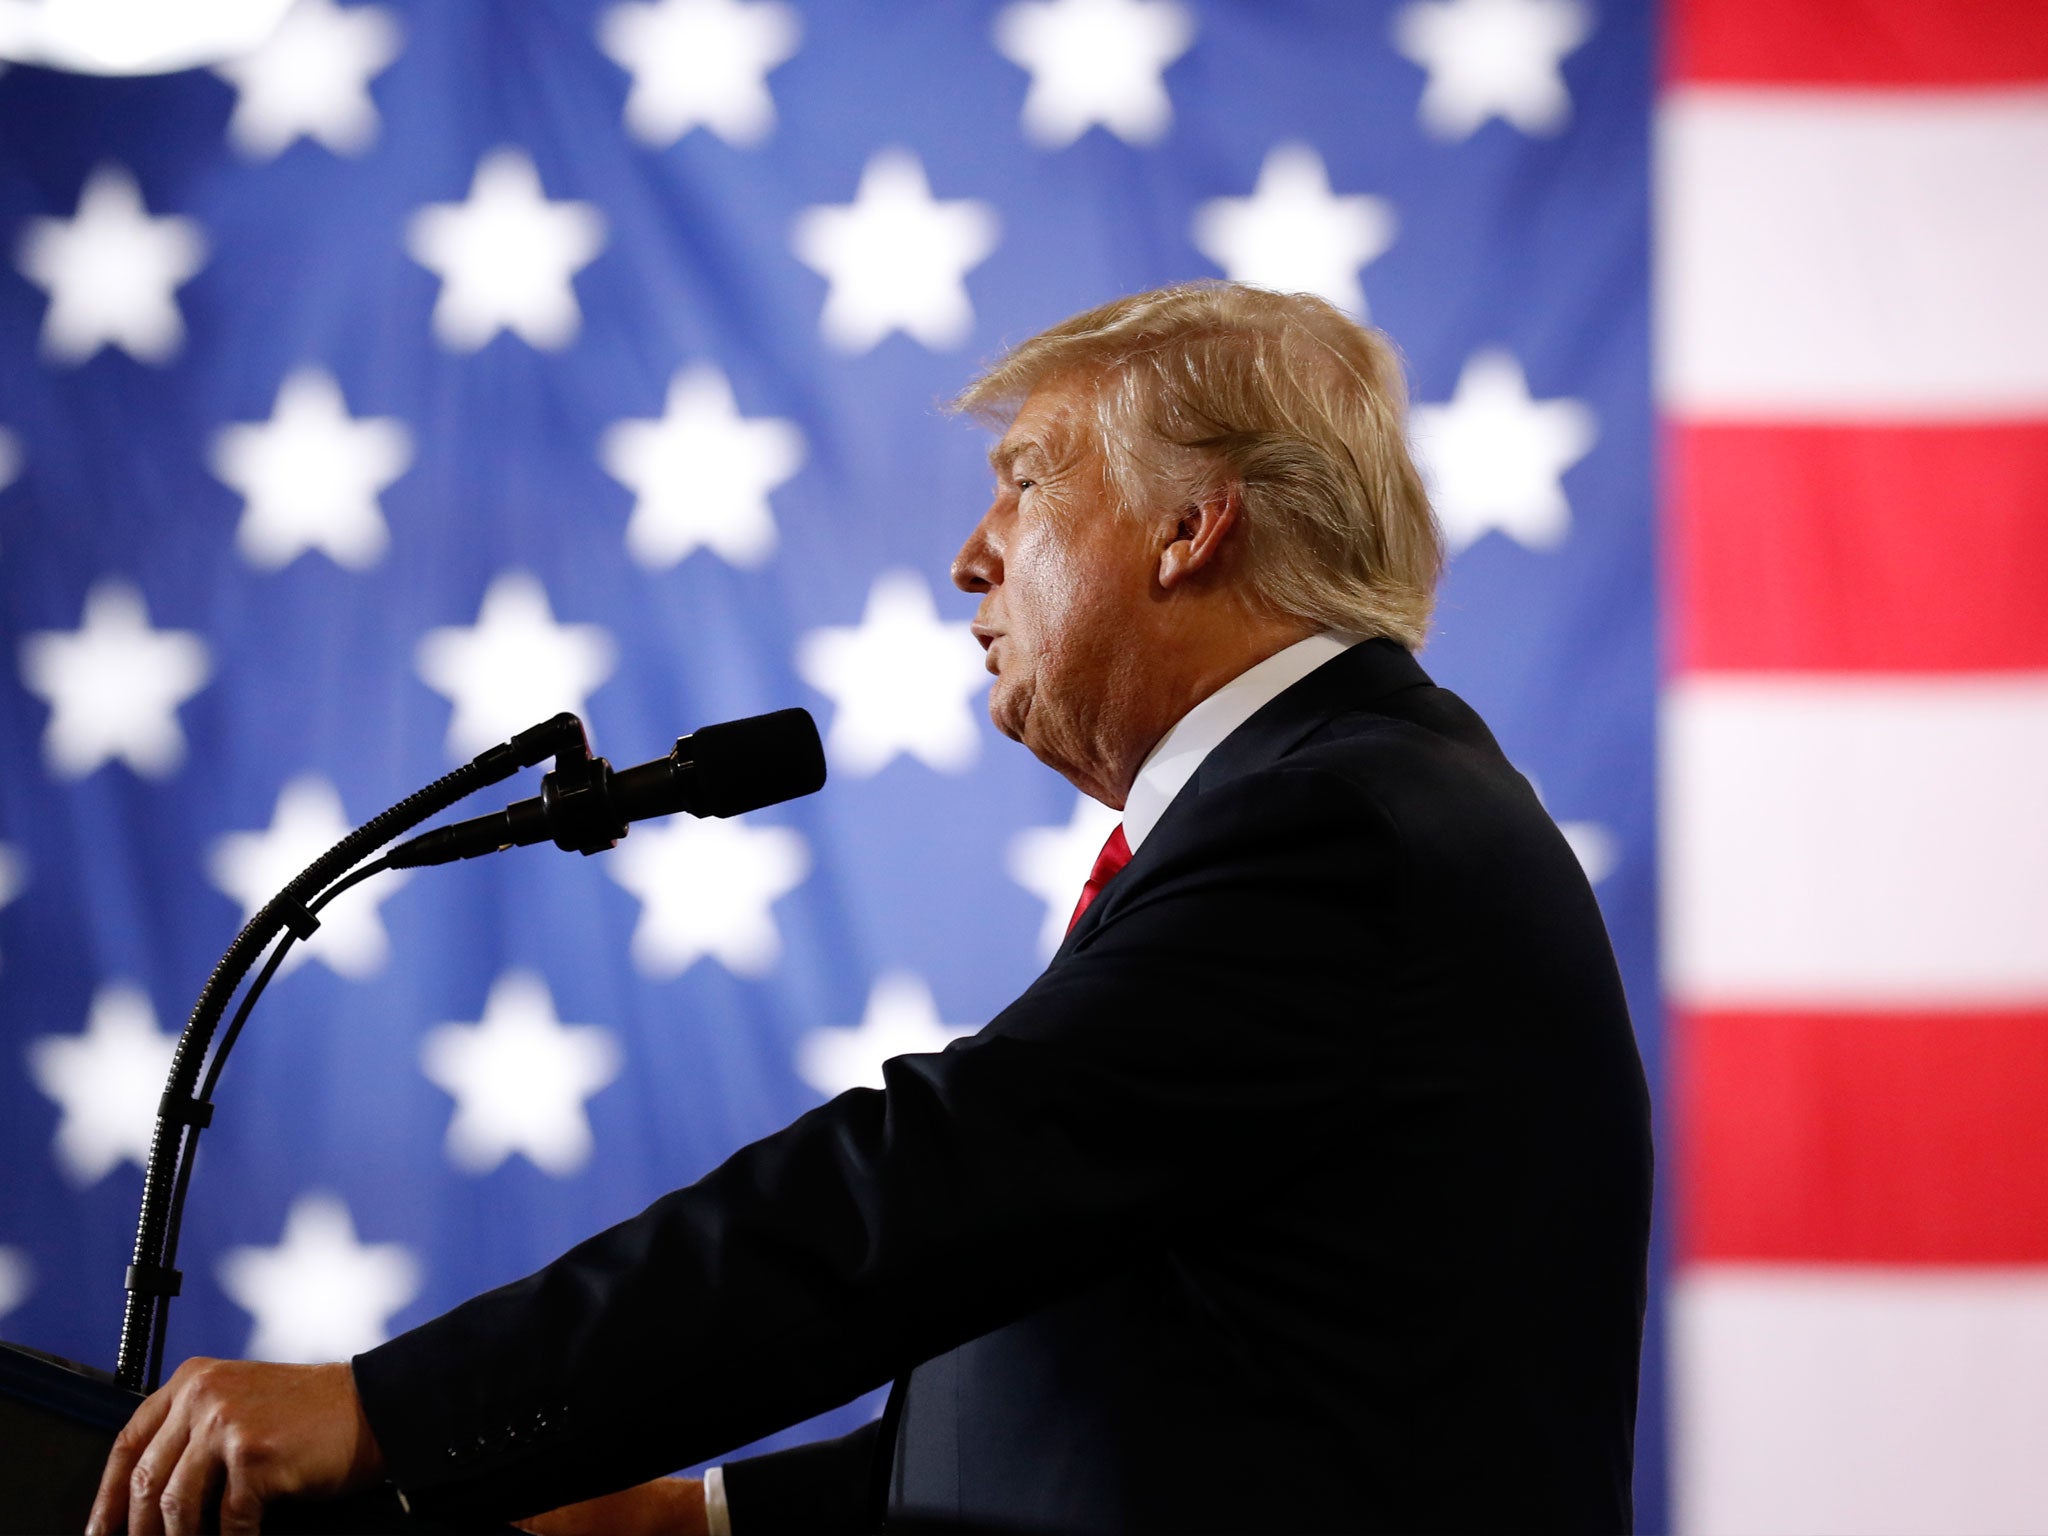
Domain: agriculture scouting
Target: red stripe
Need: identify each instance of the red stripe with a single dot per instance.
(1858, 42)
(1864, 1138)
(1865, 548)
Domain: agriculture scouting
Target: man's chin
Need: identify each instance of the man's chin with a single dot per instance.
(1006, 714)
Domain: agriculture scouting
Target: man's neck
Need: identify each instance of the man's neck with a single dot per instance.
(1196, 671)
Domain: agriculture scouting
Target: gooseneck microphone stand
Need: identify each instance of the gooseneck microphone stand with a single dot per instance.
(583, 807)
(153, 1278)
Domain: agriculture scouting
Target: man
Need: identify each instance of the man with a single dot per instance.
(1308, 1187)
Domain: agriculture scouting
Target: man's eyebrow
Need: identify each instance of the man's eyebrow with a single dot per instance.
(1004, 456)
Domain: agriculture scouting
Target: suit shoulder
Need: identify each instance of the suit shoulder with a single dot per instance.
(1446, 791)
(1426, 746)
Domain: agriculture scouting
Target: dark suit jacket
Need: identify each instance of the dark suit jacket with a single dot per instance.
(1308, 1188)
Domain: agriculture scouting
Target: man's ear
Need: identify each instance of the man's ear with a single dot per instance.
(1196, 542)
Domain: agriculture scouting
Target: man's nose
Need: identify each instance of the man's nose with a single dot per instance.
(979, 564)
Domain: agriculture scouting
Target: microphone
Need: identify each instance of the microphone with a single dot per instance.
(583, 806)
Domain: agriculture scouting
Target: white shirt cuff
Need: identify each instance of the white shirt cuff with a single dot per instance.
(717, 1518)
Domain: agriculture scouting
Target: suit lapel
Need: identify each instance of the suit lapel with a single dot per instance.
(1356, 680)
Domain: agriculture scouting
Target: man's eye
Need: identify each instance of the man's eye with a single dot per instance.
(1025, 485)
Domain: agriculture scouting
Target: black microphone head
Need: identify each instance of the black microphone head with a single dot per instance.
(743, 765)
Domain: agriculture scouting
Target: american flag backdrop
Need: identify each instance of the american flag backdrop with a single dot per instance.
(377, 379)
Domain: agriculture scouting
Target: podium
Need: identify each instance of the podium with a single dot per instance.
(58, 1420)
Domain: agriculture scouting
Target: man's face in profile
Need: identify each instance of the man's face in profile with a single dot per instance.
(1066, 581)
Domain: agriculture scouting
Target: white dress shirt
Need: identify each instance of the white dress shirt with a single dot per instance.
(1161, 776)
(717, 1514)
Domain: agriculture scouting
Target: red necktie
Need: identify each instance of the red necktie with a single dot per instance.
(1116, 853)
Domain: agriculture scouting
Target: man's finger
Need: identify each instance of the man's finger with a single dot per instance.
(154, 1466)
(182, 1501)
(241, 1510)
(110, 1504)
(248, 1469)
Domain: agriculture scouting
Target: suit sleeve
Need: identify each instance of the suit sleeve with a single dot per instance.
(807, 1490)
(1192, 1046)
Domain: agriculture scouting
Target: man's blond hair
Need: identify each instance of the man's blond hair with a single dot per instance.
(1304, 408)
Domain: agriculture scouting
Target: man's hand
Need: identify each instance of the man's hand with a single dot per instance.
(668, 1506)
(240, 1430)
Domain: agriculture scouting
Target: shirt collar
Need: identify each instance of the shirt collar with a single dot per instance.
(1202, 729)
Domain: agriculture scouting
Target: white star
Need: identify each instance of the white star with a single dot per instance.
(1494, 458)
(519, 1078)
(514, 667)
(107, 1082)
(901, 1020)
(319, 1294)
(1053, 863)
(505, 257)
(1598, 850)
(17, 1279)
(699, 63)
(705, 888)
(111, 272)
(1294, 234)
(896, 259)
(252, 867)
(114, 686)
(311, 78)
(1492, 58)
(13, 874)
(310, 476)
(701, 474)
(901, 680)
(1094, 61)
(132, 37)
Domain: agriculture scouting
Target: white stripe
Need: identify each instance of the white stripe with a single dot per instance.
(1853, 254)
(1856, 841)
(1850, 1400)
